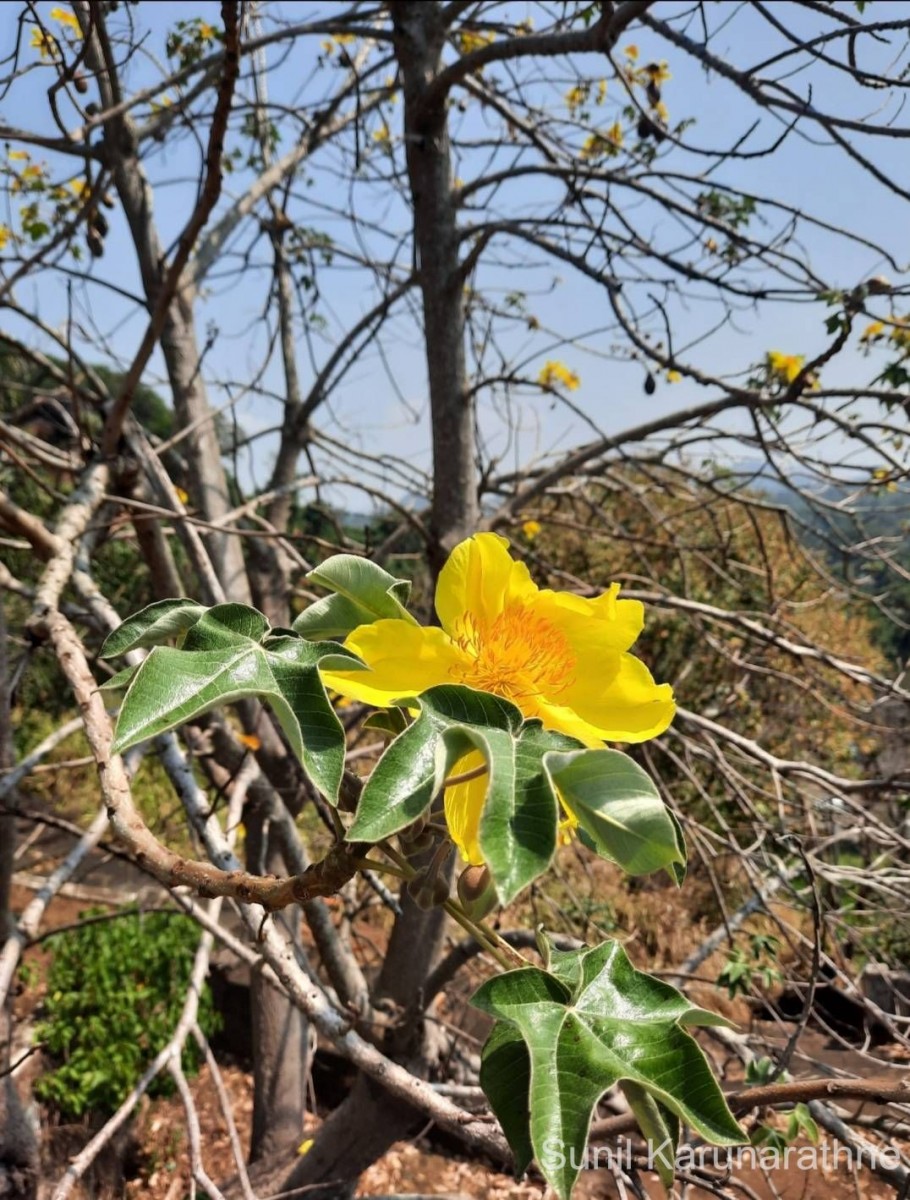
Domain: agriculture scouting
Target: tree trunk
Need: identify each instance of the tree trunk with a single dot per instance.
(19, 1161)
(207, 482)
(280, 1031)
(419, 38)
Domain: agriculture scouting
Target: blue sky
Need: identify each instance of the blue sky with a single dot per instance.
(366, 409)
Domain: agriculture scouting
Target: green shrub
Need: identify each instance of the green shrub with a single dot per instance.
(115, 993)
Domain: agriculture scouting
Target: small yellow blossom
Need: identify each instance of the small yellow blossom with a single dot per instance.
(657, 73)
(337, 39)
(182, 495)
(601, 91)
(531, 529)
(470, 40)
(556, 374)
(32, 171)
(382, 136)
(64, 17)
(576, 97)
(875, 330)
(206, 32)
(662, 112)
(44, 44)
(614, 134)
(674, 377)
(5, 235)
(18, 155)
(711, 245)
(80, 188)
(560, 658)
(785, 366)
(631, 52)
(305, 1146)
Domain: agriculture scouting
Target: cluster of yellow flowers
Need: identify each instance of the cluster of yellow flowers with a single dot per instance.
(560, 658)
(556, 374)
(603, 145)
(470, 40)
(898, 332)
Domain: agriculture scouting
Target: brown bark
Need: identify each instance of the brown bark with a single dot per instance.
(280, 1031)
(179, 342)
(419, 38)
(18, 1144)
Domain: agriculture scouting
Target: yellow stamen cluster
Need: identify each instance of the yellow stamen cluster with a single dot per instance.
(518, 656)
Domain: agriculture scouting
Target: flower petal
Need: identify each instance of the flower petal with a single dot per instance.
(604, 620)
(464, 807)
(629, 707)
(480, 578)
(404, 660)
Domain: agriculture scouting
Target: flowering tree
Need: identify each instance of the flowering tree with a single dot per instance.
(552, 198)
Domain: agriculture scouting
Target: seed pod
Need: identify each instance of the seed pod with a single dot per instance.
(107, 200)
(99, 224)
(476, 892)
(650, 384)
(95, 243)
(80, 83)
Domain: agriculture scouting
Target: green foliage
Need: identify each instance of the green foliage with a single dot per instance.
(567, 1033)
(530, 770)
(229, 652)
(742, 969)
(115, 991)
(361, 593)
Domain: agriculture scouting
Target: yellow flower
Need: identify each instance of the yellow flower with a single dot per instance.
(576, 96)
(662, 112)
(876, 329)
(206, 32)
(470, 40)
(4, 236)
(44, 44)
(674, 377)
(182, 495)
(382, 136)
(657, 73)
(559, 657)
(18, 155)
(614, 134)
(63, 17)
(553, 374)
(531, 529)
(785, 366)
(305, 1146)
(32, 171)
(80, 188)
(601, 91)
(631, 52)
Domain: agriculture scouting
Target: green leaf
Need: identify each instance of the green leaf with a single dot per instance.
(228, 654)
(152, 626)
(505, 1076)
(596, 1023)
(520, 814)
(619, 809)
(362, 593)
(660, 1127)
(119, 682)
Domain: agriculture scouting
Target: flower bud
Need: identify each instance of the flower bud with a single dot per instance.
(476, 892)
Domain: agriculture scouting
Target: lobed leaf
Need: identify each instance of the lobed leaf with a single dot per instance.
(587, 1022)
(229, 652)
(362, 593)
